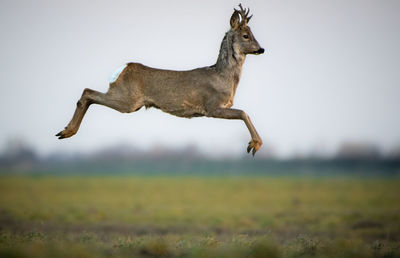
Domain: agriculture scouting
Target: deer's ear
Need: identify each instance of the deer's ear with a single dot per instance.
(235, 20)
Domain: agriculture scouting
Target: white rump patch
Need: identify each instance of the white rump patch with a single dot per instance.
(116, 73)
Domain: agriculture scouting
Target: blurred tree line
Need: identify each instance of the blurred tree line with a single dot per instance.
(353, 158)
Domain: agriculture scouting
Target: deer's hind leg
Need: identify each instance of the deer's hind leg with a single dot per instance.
(110, 99)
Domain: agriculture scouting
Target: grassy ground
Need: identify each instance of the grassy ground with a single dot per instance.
(199, 217)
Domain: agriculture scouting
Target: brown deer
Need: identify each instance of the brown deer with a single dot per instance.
(206, 91)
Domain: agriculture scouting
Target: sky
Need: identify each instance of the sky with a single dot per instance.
(330, 74)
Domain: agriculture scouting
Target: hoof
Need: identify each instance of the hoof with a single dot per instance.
(65, 133)
(254, 146)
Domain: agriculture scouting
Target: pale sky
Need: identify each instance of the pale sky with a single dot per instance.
(331, 72)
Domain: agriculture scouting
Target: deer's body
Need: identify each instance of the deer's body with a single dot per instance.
(207, 91)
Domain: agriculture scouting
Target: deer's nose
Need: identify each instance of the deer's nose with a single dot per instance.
(260, 51)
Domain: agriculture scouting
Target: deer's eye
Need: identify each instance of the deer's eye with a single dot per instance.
(246, 36)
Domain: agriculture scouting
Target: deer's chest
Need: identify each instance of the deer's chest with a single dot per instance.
(227, 98)
(229, 94)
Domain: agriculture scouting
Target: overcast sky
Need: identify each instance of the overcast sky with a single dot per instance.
(331, 72)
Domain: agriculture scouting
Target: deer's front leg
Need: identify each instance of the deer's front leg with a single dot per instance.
(230, 113)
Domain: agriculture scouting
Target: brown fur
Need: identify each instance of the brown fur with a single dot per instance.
(207, 91)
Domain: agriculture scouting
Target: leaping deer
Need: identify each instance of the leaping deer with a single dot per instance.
(206, 91)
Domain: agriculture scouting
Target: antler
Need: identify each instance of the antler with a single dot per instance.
(244, 14)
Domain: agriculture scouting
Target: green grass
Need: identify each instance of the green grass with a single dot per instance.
(199, 217)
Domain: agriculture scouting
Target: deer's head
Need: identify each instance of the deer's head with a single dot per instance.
(243, 38)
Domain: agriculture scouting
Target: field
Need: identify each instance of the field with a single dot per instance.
(138, 216)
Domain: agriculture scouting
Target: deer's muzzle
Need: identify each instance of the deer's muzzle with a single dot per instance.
(260, 51)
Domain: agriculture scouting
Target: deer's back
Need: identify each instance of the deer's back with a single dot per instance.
(181, 93)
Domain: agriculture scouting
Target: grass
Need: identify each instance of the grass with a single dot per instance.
(75, 216)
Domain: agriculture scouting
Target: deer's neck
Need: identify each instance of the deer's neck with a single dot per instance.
(230, 60)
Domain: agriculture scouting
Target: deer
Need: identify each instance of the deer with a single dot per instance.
(201, 92)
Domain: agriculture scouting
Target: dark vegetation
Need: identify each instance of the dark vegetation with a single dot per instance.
(122, 202)
(134, 216)
(351, 160)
